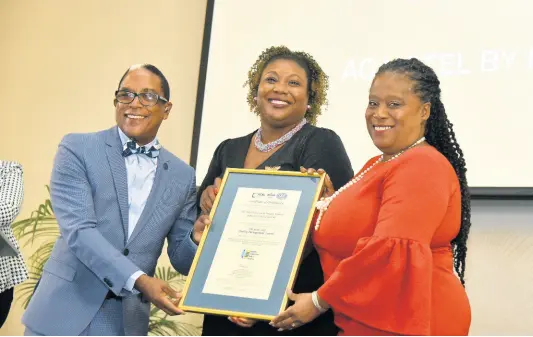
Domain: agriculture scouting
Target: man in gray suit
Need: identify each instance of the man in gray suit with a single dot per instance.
(117, 194)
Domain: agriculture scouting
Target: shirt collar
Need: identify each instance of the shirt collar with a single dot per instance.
(124, 139)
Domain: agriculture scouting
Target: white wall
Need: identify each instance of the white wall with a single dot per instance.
(499, 274)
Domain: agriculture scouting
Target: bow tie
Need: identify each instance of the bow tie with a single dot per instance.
(132, 147)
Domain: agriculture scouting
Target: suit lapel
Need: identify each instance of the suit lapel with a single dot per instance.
(155, 195)
(120, 176)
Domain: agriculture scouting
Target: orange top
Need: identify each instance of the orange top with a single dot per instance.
(384, 245)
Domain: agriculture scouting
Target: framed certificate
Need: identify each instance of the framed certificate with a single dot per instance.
(250, 254)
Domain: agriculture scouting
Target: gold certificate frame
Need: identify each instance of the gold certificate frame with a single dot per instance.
(250, 254)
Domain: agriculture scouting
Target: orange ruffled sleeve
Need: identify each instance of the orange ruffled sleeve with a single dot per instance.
(386, 283)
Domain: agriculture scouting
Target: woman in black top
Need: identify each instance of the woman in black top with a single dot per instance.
(287, 90)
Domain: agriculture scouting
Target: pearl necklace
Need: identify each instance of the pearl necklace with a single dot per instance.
(323, 204)
(268, 147)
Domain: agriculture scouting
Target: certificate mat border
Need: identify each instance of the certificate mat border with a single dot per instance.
(295, 266)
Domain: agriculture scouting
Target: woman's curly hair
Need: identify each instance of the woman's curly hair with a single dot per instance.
(317, 80)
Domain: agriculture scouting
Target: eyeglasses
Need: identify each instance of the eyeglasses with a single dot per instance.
(145, 98)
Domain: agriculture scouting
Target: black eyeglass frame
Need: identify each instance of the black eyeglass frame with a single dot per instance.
(135, 94)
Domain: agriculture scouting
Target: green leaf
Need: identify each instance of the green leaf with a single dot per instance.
(167, 274)
(163, 327)
(154, 310)
(41, 224)
(186, 329)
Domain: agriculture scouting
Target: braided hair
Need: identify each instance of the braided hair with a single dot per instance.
(317, 80)
(439, 133)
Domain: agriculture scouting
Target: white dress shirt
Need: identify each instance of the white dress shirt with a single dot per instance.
(141, 174)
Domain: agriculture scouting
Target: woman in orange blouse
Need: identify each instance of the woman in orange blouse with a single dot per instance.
(392, 240)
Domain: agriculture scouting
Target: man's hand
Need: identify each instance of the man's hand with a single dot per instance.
(200, 225)
(208, 196)
(159, 293)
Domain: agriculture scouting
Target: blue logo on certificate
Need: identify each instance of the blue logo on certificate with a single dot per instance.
(281, 196)
(248, 254)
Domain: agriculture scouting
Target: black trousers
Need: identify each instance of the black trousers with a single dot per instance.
(6, 297)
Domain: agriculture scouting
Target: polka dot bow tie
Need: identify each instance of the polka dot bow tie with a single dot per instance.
(132, 147)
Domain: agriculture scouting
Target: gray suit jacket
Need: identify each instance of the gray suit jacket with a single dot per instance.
(89, 195)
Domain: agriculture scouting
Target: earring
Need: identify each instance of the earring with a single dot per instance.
(255, 98)
(308, 107)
